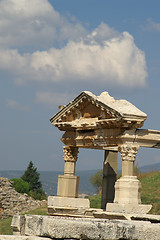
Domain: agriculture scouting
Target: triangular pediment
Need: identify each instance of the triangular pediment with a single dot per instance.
(89, 111)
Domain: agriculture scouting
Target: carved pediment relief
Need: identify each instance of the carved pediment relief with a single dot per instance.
(88, 111)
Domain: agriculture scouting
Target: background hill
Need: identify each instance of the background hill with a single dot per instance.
(49, 178)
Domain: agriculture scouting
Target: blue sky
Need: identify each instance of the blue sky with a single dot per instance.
(52, 50)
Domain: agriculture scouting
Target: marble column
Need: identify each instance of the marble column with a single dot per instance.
(128, 187)
(68, 183)
(70, 158)
(128, 155)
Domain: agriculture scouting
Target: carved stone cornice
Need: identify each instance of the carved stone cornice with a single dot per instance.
(128, 151)
(70, 154)
(88, 111)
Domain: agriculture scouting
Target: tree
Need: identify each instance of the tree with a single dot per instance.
(96, 180)
(32, 177)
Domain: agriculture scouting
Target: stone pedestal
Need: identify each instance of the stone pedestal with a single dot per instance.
(127, 190)
(65, 205)
(67, 186)
(127, 197)
(109, 177)
(128, 208)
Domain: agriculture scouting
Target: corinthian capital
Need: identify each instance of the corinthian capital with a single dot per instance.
(70, 154)
(128, 151)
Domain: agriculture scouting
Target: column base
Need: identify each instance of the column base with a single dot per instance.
(128, 208)
(64, 205)
(127, 190)
(67, 186)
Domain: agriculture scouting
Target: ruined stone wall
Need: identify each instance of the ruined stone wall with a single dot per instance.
(12, 202)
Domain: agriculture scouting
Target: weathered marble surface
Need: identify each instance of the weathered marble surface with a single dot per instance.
(14, 237)
(88, 111)
(88, 228)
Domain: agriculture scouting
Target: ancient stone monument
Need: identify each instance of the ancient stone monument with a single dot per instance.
(101, 122)
(97, 122)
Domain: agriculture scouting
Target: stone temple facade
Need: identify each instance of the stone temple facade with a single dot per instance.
(101, 122)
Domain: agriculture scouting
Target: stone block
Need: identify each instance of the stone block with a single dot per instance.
(11, 237)
(68, 186)
(89, 228)
(128, 208)
(68, 202)
(127, 190)
(17, 224)
(65, 205)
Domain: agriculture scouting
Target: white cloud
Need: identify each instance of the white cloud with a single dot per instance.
(53, 99)
(118, 61)
(103, 54)
(34, 24)
(12, 104)
(152, 26)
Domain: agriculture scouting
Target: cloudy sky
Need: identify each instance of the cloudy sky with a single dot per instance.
(50, 51)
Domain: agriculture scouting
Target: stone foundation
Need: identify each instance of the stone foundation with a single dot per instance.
(128, 208)
(86, 228)
(10, 237)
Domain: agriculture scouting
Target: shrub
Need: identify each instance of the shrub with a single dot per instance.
(20, 185)
(37, 195)
(96, 180)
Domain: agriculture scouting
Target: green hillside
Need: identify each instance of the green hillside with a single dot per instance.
(151, 190)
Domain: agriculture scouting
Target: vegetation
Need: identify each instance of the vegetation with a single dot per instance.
(151, 190)
(39, 211)
(29, 183)
(20, 185)
(95, 201)
(96, 180)
(5, 224)
(32, 177)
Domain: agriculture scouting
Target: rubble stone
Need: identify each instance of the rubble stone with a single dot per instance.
(12, 202)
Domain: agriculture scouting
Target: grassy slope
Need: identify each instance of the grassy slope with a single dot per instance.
(5, 226)
(150, 195)
(150, 192)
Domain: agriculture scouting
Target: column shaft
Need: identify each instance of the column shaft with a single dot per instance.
(128, 154)
(68, 183)
(128, 187)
